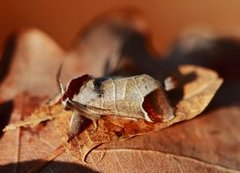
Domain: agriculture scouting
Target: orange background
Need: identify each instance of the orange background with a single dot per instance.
(166, 19)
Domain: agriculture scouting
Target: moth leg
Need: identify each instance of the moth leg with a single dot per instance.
(75, 124)
(94, 119)
(95, 124)
(83, 110)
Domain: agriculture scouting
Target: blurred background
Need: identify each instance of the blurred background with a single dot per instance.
(62, 20)
(204, 33)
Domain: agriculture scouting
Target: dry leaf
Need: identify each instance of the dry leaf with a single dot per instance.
(197, 94)
(208, 143)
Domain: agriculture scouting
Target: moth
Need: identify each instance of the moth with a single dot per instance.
(118, 96)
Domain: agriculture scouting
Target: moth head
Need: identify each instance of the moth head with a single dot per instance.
(72, 90)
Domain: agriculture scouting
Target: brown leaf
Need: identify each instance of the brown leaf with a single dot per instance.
(208, 143)
(197, 94)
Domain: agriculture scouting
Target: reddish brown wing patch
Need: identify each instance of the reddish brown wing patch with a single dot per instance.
(74, 86)
(149, 107)
(155, 106)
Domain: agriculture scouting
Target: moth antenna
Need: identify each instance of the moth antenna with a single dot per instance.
(59, 81)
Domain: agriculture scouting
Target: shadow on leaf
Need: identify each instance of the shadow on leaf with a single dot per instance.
(6, 109)
(220, 54)
(7, 56)
(54, 166)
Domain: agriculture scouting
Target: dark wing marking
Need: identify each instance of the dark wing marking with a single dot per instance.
(98, 85)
